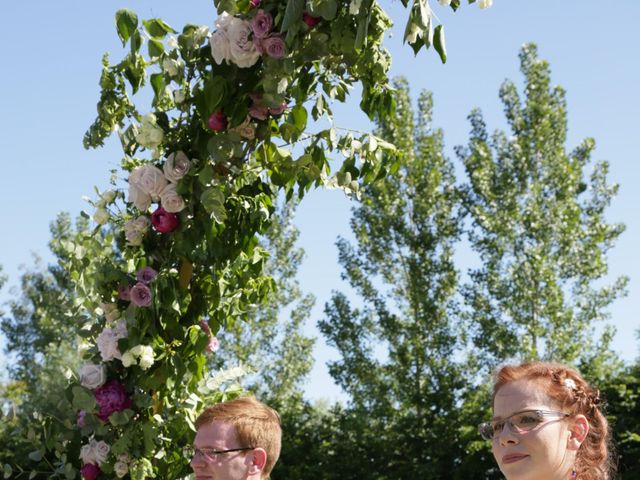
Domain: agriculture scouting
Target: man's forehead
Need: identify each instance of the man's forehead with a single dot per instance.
(215, 432)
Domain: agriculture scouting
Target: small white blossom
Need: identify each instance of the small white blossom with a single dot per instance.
(485, 4)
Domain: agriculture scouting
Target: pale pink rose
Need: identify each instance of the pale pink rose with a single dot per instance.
(246, 129)
(92, 376)
(261, 24)
(140, 199)
(134, 230)
(176, 166)
(170, 200)
(86, 454)
(223, 21)
(220, 46)
(151, 180)
(101, 451)
(243, 52)
(274, 46)
(107, 341)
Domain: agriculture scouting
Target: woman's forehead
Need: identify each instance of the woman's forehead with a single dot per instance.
(521, 395)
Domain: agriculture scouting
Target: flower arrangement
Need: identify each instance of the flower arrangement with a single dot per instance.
(177, 255)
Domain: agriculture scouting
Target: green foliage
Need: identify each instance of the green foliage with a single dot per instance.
(539, 229)
(402, 267)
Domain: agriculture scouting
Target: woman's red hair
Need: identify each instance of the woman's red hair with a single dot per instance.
(574, 395)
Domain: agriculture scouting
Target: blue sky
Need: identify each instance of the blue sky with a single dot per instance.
(49, 85)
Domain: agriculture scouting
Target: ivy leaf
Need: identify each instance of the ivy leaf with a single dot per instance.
(438, 43)
(157, 28)
(82, 399)
(126, 24)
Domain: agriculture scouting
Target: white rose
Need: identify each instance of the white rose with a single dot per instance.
(151, 180)
(171, 67)
(100, 451)
(146, 357)
(120, 469)
(92, 376)
(101, 216)
(124, 457)
(176, 166)
(220, 47)
(170, 200)
(108, 196)
(243, 52)
(485, 4)
(149, 135)
(111, 311)
(128, 359)
(87, 454)
(136, 351)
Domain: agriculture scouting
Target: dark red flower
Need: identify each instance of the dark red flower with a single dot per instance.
(310, 20)
(111, 397)
(163, 221)
(218, 121)
(89, 471)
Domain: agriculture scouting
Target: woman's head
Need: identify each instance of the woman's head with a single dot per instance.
(547, 424)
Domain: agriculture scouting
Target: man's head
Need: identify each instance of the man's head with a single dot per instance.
(236, 440)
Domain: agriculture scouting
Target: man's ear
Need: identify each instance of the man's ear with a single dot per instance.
(258, 460)
(578, 430)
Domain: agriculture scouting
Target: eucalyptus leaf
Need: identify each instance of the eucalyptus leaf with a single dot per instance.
(439, 43)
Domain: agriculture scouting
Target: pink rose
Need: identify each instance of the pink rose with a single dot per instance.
(218, 121)
(146, 275)
(257, 109)
(278, 110)
(163, 221)
(261, 24)
(213, 345)
(310, 20)
(141, 295)
(274, 46)
(124, 292)
(89, 471)
(111, 398)
(254, 3)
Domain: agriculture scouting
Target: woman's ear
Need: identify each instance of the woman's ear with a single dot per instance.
(578, 430)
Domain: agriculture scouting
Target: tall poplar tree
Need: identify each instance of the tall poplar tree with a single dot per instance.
(399, 351)
(540, 231)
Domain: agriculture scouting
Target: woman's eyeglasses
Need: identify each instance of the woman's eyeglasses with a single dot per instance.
(519, 422)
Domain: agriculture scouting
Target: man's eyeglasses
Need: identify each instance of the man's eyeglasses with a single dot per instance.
(209, 454)
(520, 422)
